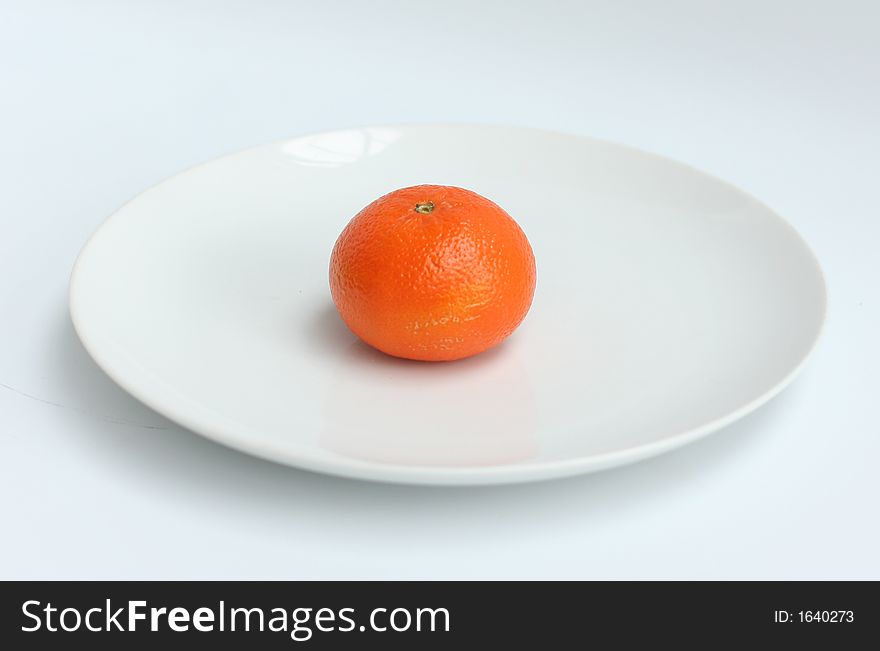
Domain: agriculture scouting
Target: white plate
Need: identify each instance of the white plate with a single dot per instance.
(668, 305)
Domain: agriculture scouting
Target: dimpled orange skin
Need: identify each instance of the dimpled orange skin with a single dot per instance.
(432, 273)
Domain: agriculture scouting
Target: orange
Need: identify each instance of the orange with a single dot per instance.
(432, 273)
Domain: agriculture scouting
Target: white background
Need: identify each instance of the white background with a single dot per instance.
(100, 100)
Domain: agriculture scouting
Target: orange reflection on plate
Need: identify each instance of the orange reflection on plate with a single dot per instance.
(474, 412)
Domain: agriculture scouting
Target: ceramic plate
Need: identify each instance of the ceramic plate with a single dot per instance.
(668, 305)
